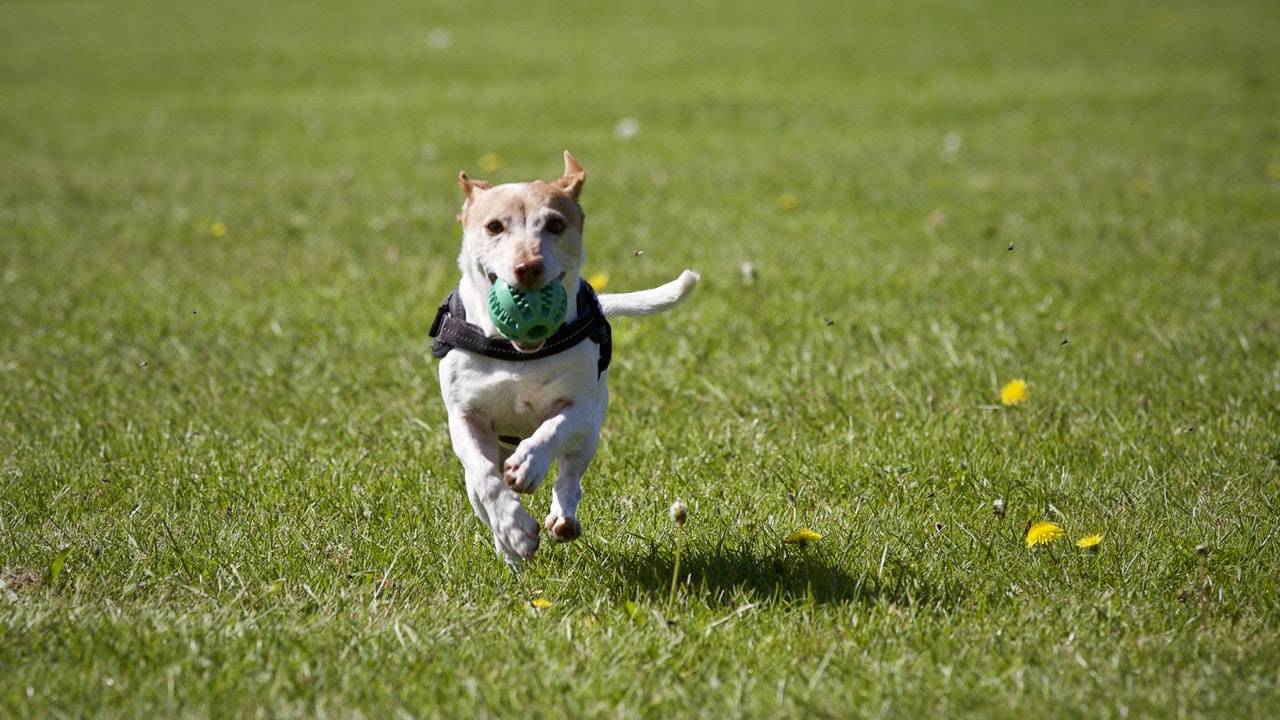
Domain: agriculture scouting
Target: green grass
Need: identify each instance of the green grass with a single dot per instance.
(240, 439)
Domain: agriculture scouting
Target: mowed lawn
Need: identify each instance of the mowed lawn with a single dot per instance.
(226, 484)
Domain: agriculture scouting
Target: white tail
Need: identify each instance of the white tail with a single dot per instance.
(651, 301)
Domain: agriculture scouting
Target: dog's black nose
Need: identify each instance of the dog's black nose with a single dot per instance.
(529, 273)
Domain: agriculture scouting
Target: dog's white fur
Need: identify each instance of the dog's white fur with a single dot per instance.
(556, 404)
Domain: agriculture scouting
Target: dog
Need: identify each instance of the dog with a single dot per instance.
(514, 408)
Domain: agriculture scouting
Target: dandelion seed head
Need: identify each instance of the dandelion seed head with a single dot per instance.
(951, 143)
(626, 128)
(679, 512)
(439, 38)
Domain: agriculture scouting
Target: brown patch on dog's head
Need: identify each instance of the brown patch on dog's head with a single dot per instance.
(484, 201)
(525, 233)
(562, 192)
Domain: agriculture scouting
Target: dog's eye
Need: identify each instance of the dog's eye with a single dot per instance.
(494, 227)
(555, 226)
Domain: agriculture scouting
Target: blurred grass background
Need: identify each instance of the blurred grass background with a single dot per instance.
(224, 230)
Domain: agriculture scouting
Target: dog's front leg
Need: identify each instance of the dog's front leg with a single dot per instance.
(528, 464)
(515, 534)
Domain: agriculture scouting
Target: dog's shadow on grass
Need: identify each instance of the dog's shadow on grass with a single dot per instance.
(721, 573)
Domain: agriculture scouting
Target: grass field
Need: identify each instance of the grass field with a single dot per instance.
(227, 488)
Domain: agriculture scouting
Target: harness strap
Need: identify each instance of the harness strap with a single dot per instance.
(450, 330)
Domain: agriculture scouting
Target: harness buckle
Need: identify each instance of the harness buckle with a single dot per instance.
(441, 313)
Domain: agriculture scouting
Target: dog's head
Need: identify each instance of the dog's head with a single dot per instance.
(527, 234)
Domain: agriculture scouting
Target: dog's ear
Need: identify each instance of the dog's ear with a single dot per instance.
(469, 188)
(574, 176)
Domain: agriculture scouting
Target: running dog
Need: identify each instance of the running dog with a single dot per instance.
(514, 408)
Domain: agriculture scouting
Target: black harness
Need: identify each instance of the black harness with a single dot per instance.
(451, 330)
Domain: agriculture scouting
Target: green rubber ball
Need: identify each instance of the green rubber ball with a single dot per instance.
(527, 316)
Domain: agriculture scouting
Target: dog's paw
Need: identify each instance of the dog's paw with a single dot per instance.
(516, 539)
(525, 469)
(563, 528)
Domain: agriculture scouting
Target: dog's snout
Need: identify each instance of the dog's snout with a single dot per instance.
(529, 273)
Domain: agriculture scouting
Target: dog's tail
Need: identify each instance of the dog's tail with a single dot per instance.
(651, 301)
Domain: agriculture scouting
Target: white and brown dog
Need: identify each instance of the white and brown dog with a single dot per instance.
(514, 409)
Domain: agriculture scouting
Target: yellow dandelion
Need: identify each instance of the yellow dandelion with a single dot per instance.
(541, 603)
(1014, 392)
(1274, 170)
(218, 229)
(598, 280)
(802, 536)
(788, 202)
(490, 162)
(1089, 542)
(1043, 533)
(1142, 185)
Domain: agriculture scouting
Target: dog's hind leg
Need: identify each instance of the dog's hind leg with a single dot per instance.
(515, 534)
(562, 521)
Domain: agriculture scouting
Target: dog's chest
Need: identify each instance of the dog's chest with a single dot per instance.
(516, 397)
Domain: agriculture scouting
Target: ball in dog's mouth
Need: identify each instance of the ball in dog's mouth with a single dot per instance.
(527, 317)
(533, 334)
